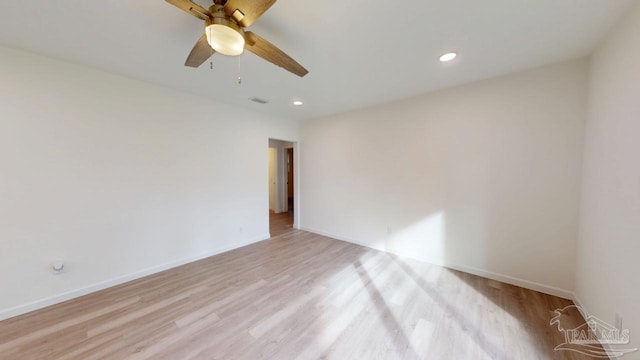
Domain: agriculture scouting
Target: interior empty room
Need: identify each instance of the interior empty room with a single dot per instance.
(261, 179)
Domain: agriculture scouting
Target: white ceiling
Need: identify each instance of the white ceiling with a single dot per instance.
(358, 53)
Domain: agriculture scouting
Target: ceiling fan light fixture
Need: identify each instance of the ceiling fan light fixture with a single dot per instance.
(224, 36)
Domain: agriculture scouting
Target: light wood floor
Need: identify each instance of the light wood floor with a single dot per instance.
(296, 296)
(280, 223)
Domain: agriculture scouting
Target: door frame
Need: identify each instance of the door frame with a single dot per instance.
(282, 200)
(285, 177)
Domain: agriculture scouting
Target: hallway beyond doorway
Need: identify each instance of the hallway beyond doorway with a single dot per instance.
(280, 223)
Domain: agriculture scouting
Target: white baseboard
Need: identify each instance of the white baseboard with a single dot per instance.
(532, 285)
(58, 298)
(547, 289)
(337, 237)
(579, 304)
(585, 314)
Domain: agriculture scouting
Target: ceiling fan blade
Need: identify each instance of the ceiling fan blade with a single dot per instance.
(191, 8)
(272, 54)
(200, 53)
(250, 10)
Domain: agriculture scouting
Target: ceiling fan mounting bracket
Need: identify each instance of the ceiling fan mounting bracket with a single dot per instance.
(237, 15)
(198, 14)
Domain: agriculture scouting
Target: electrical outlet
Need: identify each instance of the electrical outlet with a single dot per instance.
(241, 229)
(389, 231)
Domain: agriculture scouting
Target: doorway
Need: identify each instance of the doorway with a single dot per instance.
(282, 186)
(290, 180)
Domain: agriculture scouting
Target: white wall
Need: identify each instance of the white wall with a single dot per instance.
(483, 177)
(118, 178)
(609, 246)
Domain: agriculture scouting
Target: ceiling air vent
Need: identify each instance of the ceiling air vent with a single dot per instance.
(258, 100)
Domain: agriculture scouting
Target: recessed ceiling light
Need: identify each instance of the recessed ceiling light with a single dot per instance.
(448, 57)
(297, 103)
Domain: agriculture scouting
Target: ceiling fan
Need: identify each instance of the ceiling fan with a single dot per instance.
(225, 23)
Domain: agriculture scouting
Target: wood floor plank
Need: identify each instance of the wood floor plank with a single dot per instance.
(280, 223)
(296, 296)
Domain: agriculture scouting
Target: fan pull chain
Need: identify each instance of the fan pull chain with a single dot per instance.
(239, 77)
(212, 52)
